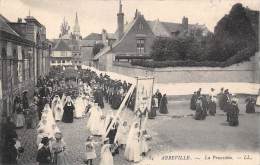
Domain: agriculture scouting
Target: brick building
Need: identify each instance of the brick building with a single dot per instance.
(134, 39)
(24, 56)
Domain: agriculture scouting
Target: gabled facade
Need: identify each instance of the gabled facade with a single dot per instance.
(135, 39)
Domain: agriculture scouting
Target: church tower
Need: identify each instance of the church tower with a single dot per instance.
(76, 28)
(120, 22)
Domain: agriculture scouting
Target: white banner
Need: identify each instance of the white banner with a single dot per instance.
(144, 92)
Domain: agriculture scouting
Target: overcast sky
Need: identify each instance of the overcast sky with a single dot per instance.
(94, 15)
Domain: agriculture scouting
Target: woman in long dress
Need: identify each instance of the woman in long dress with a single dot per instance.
(121, 135)
(79, 107)
(58, 110)
(20, 120)
(163, 105)
(58, 148)
(106, 155)
(133, 146)
(68, 111)
(96, 122)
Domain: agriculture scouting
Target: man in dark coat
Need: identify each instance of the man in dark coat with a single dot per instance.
(250, 105)
(193, 101)
(233, 114)
(221, 98)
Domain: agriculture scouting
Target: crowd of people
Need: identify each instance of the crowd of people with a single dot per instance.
(206, 104)
(64, 100)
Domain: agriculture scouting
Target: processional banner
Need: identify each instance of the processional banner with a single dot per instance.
(144, 92)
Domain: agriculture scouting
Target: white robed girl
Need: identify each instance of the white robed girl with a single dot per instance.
(95, 122)
(79, 107)
(57, 109)
(121, 135)
(106, 155)
(63, 99)
(133, 145)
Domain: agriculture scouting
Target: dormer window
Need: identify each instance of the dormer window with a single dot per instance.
(141, 26)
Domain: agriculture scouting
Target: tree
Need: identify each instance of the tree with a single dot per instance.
(97, 47)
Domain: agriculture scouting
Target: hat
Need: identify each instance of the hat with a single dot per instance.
(45, 140)
(58, 135)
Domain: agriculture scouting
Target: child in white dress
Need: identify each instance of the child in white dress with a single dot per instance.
(106, 155)
(90, 151)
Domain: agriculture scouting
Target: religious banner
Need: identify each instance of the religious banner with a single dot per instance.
(144, 92)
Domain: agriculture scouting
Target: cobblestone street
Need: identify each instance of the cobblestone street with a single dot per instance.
(170, 133)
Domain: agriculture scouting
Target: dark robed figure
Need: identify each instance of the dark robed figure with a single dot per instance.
(68, 111)
(250, 105)
(193, 101)
(233, 114)
(163, 105)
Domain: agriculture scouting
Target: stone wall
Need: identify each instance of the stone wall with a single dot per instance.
(243, 72)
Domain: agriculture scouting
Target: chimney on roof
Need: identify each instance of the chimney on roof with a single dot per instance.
(19, 20)
(185, 23)
(120, 21)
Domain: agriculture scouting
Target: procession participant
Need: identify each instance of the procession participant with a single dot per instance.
(226, 100)
(63, 99)
(204, 107)
(163, 105)
(90, 151)
(34, 108)
(193, 101)
(58, 110)
(47, 111)
(98, 96)
(199, 109)
(44, 153)
(10, 153)
(40, 136)
(133, 148)
(58, 148)
(121, 135)
(19, 116)
(199, 92)
(106, 155)
(144, 144)
(25, 101)
(79, 107)
(233, 114)
(250, 105)
(154, 107)
(111, 136)
(68, 111)
(28, 115)
(95, 123)
(221, 99)
(258, 99)
(212, 102)
(158, 95)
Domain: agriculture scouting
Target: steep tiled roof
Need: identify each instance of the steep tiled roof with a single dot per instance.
(5, 27)
(93, 36)
(61, 45)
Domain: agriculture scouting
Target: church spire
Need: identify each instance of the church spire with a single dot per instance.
(120, 7)
(76, 29)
